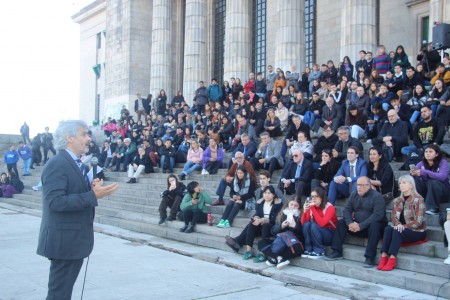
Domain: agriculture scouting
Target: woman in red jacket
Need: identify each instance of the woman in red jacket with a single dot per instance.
(319, 223)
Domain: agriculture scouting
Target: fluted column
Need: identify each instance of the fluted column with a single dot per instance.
(195, 61)
(290, 36)
(161, 58)
(358, 29)
(237, 53)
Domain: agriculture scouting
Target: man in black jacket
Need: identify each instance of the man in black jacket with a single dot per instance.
(297, 175)
(345, 141)
(326, 141)
(364, 216)
(141, 106)
(393, 136)
(168, 154)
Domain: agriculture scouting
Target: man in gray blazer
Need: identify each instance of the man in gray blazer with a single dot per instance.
(268, 156)
(69, 198)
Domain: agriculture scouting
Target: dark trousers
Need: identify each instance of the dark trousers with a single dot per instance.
(286, 252)
(222, 188)
(213, 166)
(195, 216)
(46, 149)
(117, 162)
(37, 156)
(316, 237)
(373, 233)
(169, 202)
(392, 239)
(231, 210)
(12, 167)
(315, 183)
(247, 236)
(299, 188)
(62, 277)
(26, 137)
(270, 166)
(434, 192)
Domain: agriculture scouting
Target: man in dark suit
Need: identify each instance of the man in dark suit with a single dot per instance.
(291, 136)
(297, 175)
(331, 115)
(344, 182)
(246, 146)
(141, 106)
(344, 142)
(68, 205)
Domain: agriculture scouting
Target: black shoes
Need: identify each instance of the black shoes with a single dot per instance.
(161, 220)
(232, 243)
(369, 263)
(184, 228)
(182, 176)
(335, 255)
(432, 211)
(132, 180)
(170, 218)
(190, 229)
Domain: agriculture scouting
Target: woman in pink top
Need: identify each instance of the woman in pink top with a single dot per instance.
(194, 159)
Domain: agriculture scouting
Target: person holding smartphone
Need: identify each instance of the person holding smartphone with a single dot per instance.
(318, 224)
(194, 207)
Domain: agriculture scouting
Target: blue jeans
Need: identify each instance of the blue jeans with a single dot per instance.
(26, 166)
(171, 162)
(405, 150)
(339, 189)
(190, 167)
(414, 117)
(316, 237)
(222, 188)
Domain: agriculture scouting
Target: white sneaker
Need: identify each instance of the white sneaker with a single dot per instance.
(203, 172)
(369, 141)
(282, 263)
(206, 172)
(447, 260)
(36, 188)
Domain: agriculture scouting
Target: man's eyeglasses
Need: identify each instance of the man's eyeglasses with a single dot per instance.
(295, 155)
(361, 184)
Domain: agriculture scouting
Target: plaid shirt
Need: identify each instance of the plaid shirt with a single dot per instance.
(413, 211)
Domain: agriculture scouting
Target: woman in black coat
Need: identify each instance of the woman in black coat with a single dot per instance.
(326, 170)
(380, 172)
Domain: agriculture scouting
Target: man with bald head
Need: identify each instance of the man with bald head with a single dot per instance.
(364, 216)
(393, 136)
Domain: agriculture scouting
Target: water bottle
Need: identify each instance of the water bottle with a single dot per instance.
(210, 220)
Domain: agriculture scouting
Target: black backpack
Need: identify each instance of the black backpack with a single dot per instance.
(414, 157)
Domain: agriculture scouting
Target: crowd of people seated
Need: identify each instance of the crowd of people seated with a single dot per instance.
(310, 127)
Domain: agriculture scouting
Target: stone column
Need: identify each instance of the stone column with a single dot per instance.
(161, 59)
(358, 29)
(237, 53)
(195, 58)
(290, 36)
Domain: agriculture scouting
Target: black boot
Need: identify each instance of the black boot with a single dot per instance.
(190, 229)
(182, 176)
(161, 220)
(132, 180)
(184, 228)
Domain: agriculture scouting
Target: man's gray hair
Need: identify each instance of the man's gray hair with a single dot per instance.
(127, 140)
(65, 129)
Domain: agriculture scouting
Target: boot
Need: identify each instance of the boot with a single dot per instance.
(383, 262)
(190, 229)
(391, 263)
(132, 180)
(184, 228)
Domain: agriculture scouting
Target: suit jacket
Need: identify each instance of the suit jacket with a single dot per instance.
(360, 169)
(145, 104)
(250, 150)
(331, 115)
(68, 208)
(306, 173)
(274, 150)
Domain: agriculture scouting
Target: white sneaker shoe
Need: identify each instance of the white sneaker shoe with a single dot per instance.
(447, 260)
(203, 172)
(36, 188)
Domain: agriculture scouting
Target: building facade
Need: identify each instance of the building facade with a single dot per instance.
(143, 46)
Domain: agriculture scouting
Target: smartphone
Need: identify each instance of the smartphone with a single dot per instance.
(412, 167)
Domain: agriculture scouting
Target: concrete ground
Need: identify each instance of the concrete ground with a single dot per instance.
(129, 265)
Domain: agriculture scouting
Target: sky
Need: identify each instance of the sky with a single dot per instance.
(39, 63)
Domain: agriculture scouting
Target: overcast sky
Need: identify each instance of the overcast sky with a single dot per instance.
(39, 63)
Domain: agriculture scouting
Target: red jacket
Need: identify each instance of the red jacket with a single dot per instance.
(325, 218)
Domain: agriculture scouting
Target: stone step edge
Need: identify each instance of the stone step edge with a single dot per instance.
(283, 276)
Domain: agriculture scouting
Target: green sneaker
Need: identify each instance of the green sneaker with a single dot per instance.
(259, 258)
(221, 223)
(247, 255)
(226, 224)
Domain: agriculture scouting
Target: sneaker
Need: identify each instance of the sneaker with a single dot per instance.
(226, 224)
(335, 255)
(183, 229)
(232, 243)
(259, 258)
(283, 262)
(161, 221)
(36, 188)
(206, 173)
(182, 176)
(203, 172)
(315, 255)
(271, 262)
(369, 263)
(247, 255)
(190, 229)
(306, 254)
(170, 218)
(221, 223)
(447, 260)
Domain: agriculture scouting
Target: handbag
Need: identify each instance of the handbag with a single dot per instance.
(388, 197)
(284, 240)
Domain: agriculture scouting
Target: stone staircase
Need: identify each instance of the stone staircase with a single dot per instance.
(135, 207)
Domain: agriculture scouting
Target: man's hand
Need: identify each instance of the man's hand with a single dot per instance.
(229, 179)
(287, 183)
(340, 179)
(354, 227)
(101, 191)
(262, 160)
